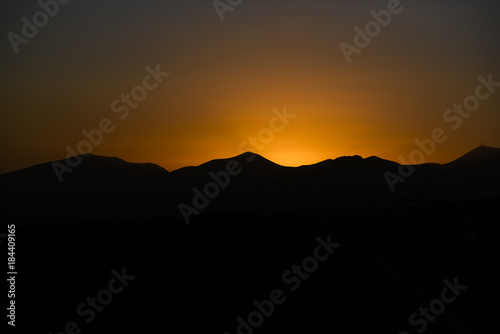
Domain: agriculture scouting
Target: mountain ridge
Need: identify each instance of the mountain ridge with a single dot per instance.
(109, 183)
(479, 153)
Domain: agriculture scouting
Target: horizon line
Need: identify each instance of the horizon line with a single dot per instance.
(247, 152)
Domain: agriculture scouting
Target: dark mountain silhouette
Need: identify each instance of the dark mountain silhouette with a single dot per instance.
(111, 214)
(95, 185)
(473, 176)
(482, 155)
(92, 167)
(100, 182)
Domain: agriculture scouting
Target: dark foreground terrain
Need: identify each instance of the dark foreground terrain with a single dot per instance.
(199, 278)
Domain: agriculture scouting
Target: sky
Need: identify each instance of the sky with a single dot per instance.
(227, 80)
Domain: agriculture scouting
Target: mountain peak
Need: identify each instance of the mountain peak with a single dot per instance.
(245, 158)
(254, 157)
(485, 150)
(350, 157)
(478, 155)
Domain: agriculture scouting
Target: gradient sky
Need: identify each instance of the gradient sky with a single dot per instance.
(227, 77)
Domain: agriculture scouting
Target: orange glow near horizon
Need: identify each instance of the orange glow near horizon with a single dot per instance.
(226, 79)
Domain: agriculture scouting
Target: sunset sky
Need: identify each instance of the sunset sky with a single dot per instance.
(226, 78)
